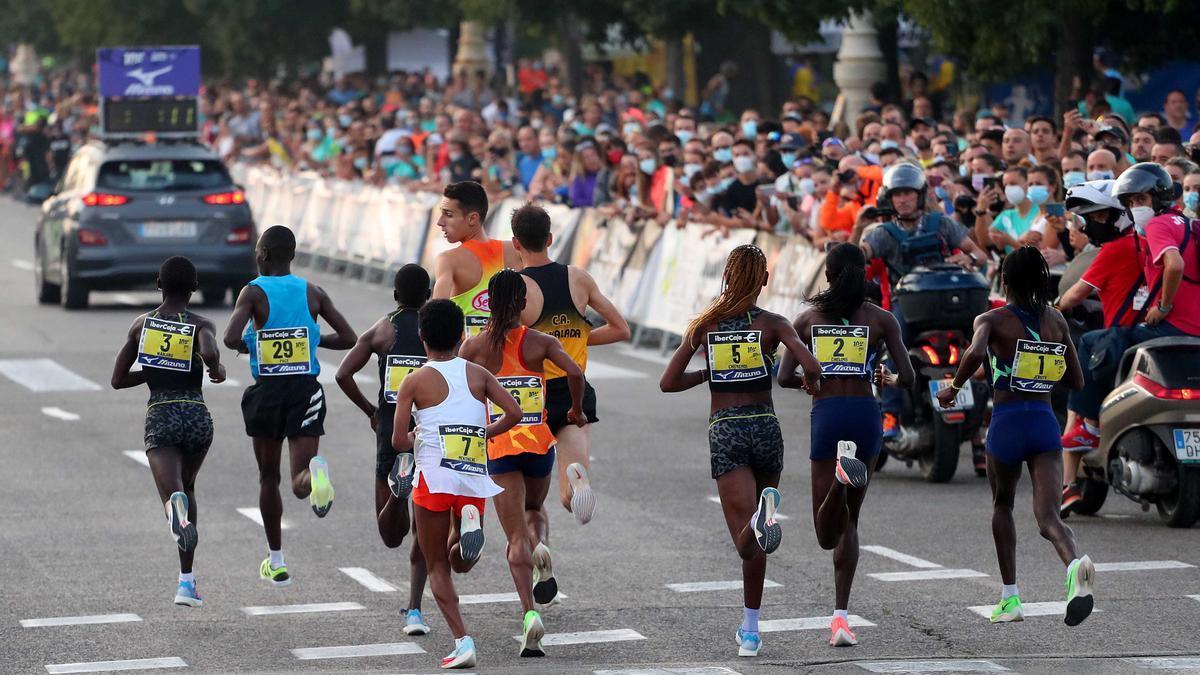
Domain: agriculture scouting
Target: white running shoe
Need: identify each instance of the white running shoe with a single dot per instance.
(767, 531)
(463, 655)
(470, 537)
(850, 470)
(1081, 576)
(583, 501)
(545, 588)
(183, 531)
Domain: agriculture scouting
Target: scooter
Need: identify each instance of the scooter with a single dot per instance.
(1150, 446)
(939, 304)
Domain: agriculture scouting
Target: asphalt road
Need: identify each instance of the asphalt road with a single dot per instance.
(82, 534)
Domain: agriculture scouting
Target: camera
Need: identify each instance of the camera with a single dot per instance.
(847, 176)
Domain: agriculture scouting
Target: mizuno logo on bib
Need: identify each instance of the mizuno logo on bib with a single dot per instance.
(1037, 366)
(736, 356)
(284, 351)
(166, 345)
(841, 350)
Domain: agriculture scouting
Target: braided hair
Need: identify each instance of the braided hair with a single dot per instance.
(846, 270)
(506, 294)
(745, 275)
(1027, 279)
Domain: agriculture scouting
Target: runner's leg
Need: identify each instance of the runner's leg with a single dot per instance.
(1003, 479)
(845, 556)
(433, 530)
(829, 503)
(536, 522)
(417, 569)
(1045, 472)
(267, 452)
(510, 509)
(191, 468)
(301, 450)
(455, 552)
(574, 445)
(739, 490)
(166, 466)
(391, 515)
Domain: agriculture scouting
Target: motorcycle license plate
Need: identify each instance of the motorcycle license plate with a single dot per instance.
(964, 401)
(1187, 446)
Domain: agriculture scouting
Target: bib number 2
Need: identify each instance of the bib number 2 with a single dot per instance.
(841, 350)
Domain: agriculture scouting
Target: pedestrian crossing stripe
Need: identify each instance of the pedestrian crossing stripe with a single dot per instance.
(44, 375)
(947, 666)
(302, 609)
(1029, 609)
(355, 651)
(109, 666)
(588, 637)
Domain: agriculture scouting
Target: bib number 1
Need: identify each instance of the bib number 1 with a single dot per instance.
(1037, 366)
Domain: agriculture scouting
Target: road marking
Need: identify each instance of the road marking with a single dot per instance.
(949, 666)
(254, 514)
(588, 637)
(22, 264)
(927, 575)
(807, 623)
(1195, 597)
(364, 576)
(328, 375)
(1167, 663)
(354, 651)
(80, 620)
(1114, 516)
(127, 299)
(485, 598)
(697, 586)
(717, 500)
(42, 375)
(112, 666)
(713, 670)
(650, 355)
(900, 557)
(1142, 565)
(603, 371)
(269, 610)
(1029, 609)
(138, 456)
(60, 414)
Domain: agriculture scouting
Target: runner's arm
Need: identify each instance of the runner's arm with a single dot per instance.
(401, 440)
(443, 278)
(1074, 375)
(242, 311)
(795, 348)
(343, 336)
(895, 346)
(615, 328)
(209, 352)
(789, 363)
(355, 360)
(500, 396)
(558, 356)
(972, 358)
(677, 377)
(122, 378)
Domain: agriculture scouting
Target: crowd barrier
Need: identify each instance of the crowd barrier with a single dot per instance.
(659, 276)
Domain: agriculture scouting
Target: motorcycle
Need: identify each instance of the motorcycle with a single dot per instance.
(1150, 448)
(939, 303)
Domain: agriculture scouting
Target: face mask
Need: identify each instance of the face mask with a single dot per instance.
(1191, 200)
(705, 196)
(630, 129)
(549, 153)
(977, 182)
(1038, 194)
(684, 136)
(723, 155)
(455, 156)
(360, 163)
(725, 183)
(690, 170)
(1073, 178)
(345, 121)
(429, 126)
(1014, 194)
(963, 170)
(1099, 175)
(940, 192)
(788, 158)
(870, 157)
(670, 160)
(388, 162)
(647, 165)
(1141, 216)
(808, 186)
(557, 99)
(743, 164)
(314, 134)
(888, 144)
(536, 123)
(750, 128)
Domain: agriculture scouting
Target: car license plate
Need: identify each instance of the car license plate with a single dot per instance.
(964, 401)
(1187, 446)
(169, 229)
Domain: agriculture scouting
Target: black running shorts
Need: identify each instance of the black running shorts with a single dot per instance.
(286, 406)
(558, 403)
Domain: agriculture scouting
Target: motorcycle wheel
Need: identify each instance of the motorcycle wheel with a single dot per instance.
(939, 463)
(1094, 493)
(1182, 508)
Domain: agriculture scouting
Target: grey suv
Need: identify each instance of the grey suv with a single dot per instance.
(120, 210)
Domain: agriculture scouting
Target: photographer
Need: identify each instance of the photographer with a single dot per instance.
(854, 185)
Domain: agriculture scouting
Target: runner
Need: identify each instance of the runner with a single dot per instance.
(746, 446)
(450, 444)
(462, 273)
(279, 314)
(169, 343)
(558, 298)
(1028, 348)
(395, 343)
(846, 333)
(521, 460)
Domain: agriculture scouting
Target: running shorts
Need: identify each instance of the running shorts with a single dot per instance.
(442, 501)
(745, 435)
(1022, 429)
(558, 403)
(287, 406)
(845, 418)
(531, 464)
(178, 419)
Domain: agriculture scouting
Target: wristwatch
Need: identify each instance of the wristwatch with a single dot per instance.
(1164, 309)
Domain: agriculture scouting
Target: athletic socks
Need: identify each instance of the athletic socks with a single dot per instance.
(187, 578)
(843, 613)
(749, 620)
(276, 558)
(1008, 590)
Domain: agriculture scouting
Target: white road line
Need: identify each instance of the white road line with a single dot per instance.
(807, 623)
(486, 598)
(900, 557)
(1114, 516)
(717, 500)
(650, 355)
(254, 514)
(1029, 609)
(22, 264)
(329, 375)
(127, 299)
(79, 620)
(60, 414)
(138, 456)
(1190, 663)
(42, 375)
(603, 371)
(353, 651)
(927, 575)
(1142, 565)
(948, 666)
(698, 586)
(588, 637)
(702, 670)
(269, 610)
(112, 666)
(1195, 597)
(364, 576)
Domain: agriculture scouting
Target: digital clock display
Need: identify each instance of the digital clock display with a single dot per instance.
(158, 115)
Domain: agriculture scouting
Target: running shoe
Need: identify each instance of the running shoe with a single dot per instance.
(187, 595)
(748, 643)
(470, 537)
(400, 478)
(1008, 610)
(979, 458)
(531, 638)
(320, 497)
(1071, 496)
(414, 623)
(1081, 576)
(278, 576)
(1080, 439)
(849, 470)
(891, 426)
(545, 588)
(583, 502)
(183, 531)
(841, 635)
(767, 532)
(463, 655)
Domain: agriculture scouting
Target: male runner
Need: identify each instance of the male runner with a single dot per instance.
(448, 397)
(557, 300)
(462, 273)
(279, 314)
(395, 343)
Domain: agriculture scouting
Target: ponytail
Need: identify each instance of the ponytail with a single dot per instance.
(506, 295)
(846, 269)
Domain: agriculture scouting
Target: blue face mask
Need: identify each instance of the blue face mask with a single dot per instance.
(1191, 200)
(360, 163)
(963, 170)
(888, 144)
(684, 136)
(750, 128)
(314, 134)
(723, 155)
(725, 183)
(1038, 194)
(1073, 178)
(940, 192)
(345, 121)
(788, 158)
(549, 153)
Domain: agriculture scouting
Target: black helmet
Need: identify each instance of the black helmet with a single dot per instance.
(903, 176)
(1149, 178)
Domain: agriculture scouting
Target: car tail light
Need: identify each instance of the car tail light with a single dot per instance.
(240, 234)
(92, 238)
(226, 198)
(1158, 391)
(953, 353)
(954, 416)
(103, 199)
(931, 355)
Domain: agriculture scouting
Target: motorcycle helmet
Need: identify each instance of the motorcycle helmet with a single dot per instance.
(903, 176)
(1150, 178)
(1104, 219)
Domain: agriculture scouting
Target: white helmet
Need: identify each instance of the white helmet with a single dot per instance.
(1091, 200)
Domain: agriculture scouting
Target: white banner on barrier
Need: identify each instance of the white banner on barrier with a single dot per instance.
(689, 274)
(796, 274)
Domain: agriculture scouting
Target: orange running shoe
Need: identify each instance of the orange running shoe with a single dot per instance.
(841, 635)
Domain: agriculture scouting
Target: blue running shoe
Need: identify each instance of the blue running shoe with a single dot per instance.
(463, 655)
(414, 623)
(748, 643)
(187, 595)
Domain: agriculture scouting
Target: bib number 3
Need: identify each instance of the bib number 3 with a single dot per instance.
(166, 345)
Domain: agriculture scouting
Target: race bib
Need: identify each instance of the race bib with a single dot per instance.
(736, 356)
(1140, 298)
(464, 448)
(1037, 366)
(398, 368)
(284, 351)
(842, 350)
(474, 325)
(527, 390)
(166, 344)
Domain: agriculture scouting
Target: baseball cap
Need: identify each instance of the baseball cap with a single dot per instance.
(792, 141)
(921, 120)
(1118, 132)
(832, 140)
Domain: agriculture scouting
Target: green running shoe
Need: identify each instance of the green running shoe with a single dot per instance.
(1008, 609)
(278, 576)
(320, 497)
(1081, 575)
(531, 638)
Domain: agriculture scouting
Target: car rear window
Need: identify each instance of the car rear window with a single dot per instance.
(163, 174)
(1178, 368)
